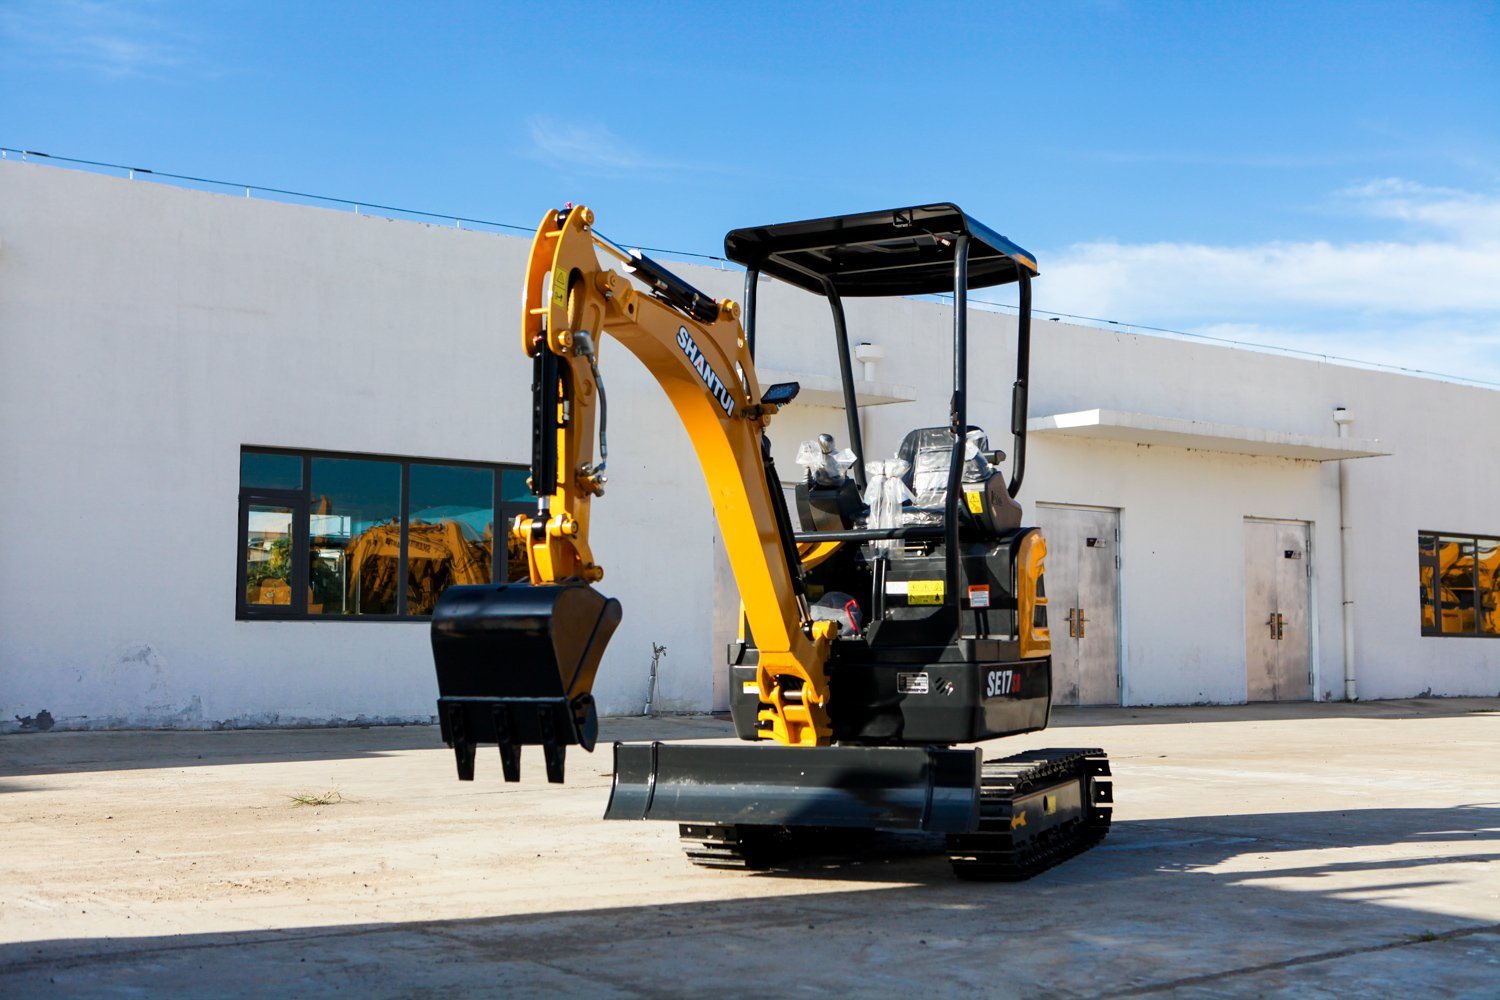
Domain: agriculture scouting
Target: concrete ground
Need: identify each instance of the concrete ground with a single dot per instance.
(1310, 850)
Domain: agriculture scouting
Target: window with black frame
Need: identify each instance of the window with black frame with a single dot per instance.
(326, 536)
(1460, 584)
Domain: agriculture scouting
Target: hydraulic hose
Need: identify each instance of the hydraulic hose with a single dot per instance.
(585, 344)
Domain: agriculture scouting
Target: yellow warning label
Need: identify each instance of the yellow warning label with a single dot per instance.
(924, 592)
(560, 286)
(976, 501)
(750, 687)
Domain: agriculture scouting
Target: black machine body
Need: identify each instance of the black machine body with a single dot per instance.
(918, 662)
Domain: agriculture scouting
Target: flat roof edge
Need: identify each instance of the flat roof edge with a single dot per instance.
(1203, 435)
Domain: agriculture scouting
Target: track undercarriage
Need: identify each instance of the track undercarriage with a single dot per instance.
(1035, 810)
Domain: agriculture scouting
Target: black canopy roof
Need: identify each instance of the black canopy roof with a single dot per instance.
(900, 251)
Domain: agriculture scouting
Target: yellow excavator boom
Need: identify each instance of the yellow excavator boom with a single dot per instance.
(696, 351)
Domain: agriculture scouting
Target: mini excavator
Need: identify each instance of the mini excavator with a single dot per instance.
(903, 616)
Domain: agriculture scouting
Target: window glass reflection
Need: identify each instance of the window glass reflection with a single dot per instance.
(268, 555)
(1456, 584)
(355, 536)
(273, 472)
(450, 531)
(516, 498)
(1488, 570)
(517, 568)
(513, 488)
(1427, 567)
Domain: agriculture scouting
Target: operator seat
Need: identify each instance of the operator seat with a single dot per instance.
(986, 504)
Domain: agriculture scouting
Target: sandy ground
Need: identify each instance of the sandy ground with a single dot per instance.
(1326, 850)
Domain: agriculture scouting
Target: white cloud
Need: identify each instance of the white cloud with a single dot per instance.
(1197, 280)
(592, 149)
(1430, 291)
(1465, 215)
(107, 37)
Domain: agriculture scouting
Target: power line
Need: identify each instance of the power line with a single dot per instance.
(352, 203)
(6, 151)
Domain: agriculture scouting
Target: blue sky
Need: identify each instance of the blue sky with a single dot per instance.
(1324, 177)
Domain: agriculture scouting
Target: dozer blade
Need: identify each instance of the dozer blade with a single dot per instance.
(881, 788)
(515, 667)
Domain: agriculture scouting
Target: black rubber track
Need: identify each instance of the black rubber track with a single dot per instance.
(996, 852)
(741, 845)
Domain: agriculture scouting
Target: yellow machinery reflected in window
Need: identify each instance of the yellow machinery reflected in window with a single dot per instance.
(330, 535)
(1456, 576)
(1460, 584)
(451, 531)
(1427, 561)
(517, 566)
(1487, 571)
(354, 530)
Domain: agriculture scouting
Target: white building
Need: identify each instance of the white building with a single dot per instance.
(149, 335)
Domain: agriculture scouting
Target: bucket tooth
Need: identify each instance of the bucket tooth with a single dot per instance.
(457, 735)
(464, 754)
(510, 761)
(555, 754)
(510, 752)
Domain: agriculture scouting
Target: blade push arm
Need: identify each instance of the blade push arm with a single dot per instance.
(695, 349)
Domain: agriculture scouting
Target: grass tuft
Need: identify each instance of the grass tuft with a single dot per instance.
(332, 797)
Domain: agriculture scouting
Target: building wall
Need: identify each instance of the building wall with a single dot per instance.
(147, 332)
(1182, 510)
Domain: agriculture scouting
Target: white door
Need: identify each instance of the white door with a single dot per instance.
(1083, 602)
(1278, 643)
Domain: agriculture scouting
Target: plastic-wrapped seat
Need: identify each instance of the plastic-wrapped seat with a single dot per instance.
(928, 452)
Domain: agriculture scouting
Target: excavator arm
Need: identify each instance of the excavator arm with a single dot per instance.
(498, 646)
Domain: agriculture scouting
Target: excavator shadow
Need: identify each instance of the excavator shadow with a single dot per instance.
(875, 856)
(828, 853)
(1302, 903)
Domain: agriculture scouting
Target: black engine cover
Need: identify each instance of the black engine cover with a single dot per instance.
(972, 690)
(932, 666)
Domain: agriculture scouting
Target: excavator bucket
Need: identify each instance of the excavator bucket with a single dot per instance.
(515, 666)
